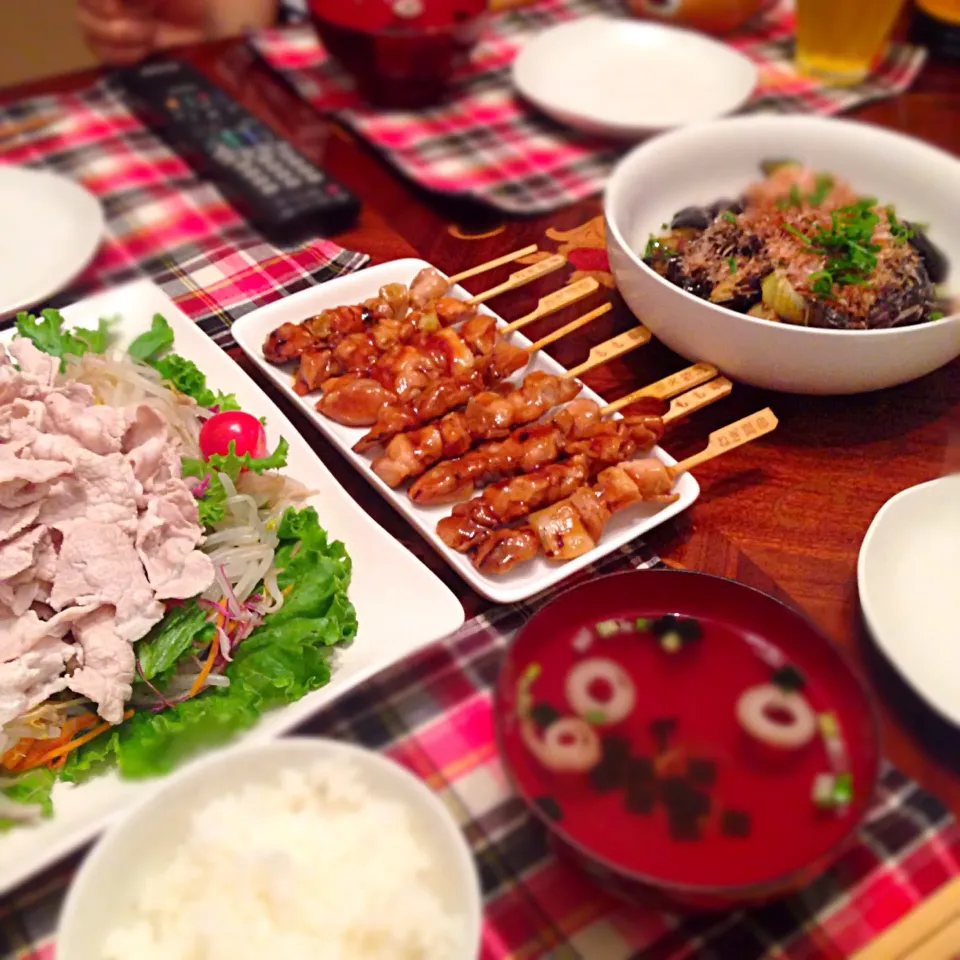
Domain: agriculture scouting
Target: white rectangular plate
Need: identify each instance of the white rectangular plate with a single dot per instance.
(401, 605)
(525, 580)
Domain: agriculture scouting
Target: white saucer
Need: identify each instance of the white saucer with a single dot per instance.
(50, 228)
(628, 78)
(909, 579)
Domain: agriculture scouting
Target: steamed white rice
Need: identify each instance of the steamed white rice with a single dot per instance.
(314, 867)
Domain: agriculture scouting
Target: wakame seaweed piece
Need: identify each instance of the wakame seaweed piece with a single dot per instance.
(697, 218)
(934, 259)
(549, 807)
(788, 678)
(682, 799)
(735, 823)
(701, 771)
(542, 714)
(684, 829)
(641, 784)
(660, 729)
(611, 772)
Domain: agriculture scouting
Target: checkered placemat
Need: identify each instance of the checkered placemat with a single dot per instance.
(433, 713)
(487, 144)
(163, 221)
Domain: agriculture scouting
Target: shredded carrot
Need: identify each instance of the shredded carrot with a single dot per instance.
(197, 684)
(27, 752)
(80, 741)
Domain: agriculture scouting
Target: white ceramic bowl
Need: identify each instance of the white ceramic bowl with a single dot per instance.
(907, 575)
(103, 890)
(702, 163)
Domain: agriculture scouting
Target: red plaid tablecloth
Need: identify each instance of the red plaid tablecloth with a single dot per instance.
(487, 144)
(433, 714)
(162, 220)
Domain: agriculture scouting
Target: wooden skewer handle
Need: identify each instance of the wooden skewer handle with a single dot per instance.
(694, 400)
(569, 328)
(490, 264)
(667, 387)
(729, 438)
(555, 301)
(518, 279)
(610, 349)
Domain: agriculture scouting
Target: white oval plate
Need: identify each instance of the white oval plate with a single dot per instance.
(908, 574)
(50, 229)
(628, 78)
(401, 605)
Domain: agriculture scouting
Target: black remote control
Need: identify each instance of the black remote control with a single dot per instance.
(265, 177)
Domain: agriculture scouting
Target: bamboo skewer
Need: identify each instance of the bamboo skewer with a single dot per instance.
(667, 387)
(729, 438)
(521, 277)
(931, 931)
(553, 302)
(694, 400)
(561, 332)
(490, 264)
(611, 349)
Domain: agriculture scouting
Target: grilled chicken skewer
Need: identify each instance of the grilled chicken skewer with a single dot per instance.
(492, 414)
(572, 527)
(396, 311)
(450, 393)
(528, 448)
(511, 499)
(406, 370)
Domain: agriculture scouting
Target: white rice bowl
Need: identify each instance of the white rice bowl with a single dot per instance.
(296, 849)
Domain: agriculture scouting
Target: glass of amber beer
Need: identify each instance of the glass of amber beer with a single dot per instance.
(838, 40)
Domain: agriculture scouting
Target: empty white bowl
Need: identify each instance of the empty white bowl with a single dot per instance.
(104, 889)
(626, 78)
(908, 575)
(702, 163)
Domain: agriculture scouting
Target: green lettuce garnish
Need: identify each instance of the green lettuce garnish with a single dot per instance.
(49, 335)
(155, 341)
(286, 657)
(159, 651)
(188, 378)
(31, 788)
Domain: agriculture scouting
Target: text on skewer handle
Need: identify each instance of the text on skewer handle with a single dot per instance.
(520, 277)
(729, 438)
(555, 301)
(697, 399)
(490, 264)
(610, 349)
(668, 387)
(569, 328)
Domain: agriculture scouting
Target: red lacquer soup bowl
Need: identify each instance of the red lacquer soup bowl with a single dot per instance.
(402, 53)
(686, 739)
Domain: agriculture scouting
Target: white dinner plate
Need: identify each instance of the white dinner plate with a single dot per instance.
(50, 229)
(908, 574)
(628, 78)
(401, 605)
(526, 579)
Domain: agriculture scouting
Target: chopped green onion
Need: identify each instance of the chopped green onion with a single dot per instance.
(643, 623)
(595, 716)
(824, 184)
(792, 199)
(729, 216)
(843, 789)
(937, 314)
(732, 264)
(607, 628)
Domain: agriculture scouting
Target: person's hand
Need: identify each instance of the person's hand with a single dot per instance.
(125, 31)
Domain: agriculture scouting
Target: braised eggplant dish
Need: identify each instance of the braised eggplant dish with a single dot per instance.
(802, 247)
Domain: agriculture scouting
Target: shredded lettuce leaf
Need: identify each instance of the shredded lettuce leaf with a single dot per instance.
(185, 376)
(155, 341)
(159, 651)
(32, 788)
(286, 657)
(48, 334)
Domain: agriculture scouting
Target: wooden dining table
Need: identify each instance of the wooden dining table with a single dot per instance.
(786, 515)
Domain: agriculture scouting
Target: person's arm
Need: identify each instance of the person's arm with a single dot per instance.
(124, 31)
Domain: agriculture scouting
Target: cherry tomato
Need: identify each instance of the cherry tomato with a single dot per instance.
(233, 425)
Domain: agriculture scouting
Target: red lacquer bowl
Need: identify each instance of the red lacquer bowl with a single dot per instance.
(402, 53)
(685, 808)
